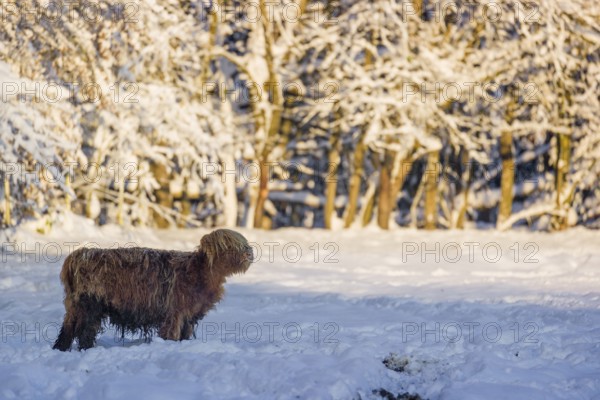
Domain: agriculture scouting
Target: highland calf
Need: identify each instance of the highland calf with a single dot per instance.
(145, 290)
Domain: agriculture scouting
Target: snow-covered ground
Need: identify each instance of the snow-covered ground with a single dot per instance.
(468, 315)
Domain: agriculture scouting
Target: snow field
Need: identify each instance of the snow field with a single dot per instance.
(320, 327)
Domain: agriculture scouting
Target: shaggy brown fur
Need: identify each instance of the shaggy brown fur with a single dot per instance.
(144, 290)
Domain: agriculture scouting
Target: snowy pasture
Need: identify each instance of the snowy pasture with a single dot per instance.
(466, 315)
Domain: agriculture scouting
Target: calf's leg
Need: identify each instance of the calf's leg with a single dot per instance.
(67, 331)
(91, 323)
(171, 328)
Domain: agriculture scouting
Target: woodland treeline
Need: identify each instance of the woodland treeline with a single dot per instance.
(426, 114)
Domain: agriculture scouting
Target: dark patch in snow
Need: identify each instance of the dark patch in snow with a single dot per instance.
(395, 362)
(400, 396)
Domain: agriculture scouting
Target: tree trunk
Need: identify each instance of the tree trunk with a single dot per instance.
(562, 169)
(186, 210)
(252, 196)
(331, 186)
(7, 215)
(418, 6)
(507, 179)
(163, 194)
(386, 194)
(254, 184)
(462, 213)
(403, 169)
(359, 155)
(355, 181)
(431, 182)
(276, 103)
(121, 200)
(230, 202)
(332, 179)
(88, 204)
(67, 195)
(263, 193)
(212, 36)
(369, 203)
